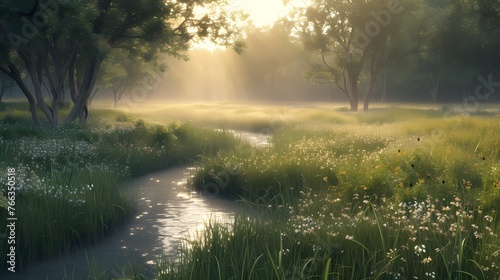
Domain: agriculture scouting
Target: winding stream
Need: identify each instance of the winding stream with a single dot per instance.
(167, 212)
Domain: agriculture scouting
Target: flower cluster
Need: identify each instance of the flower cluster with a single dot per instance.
(55, 151)
(27, 181)
(425, 233)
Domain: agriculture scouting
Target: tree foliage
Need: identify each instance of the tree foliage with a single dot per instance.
(350, 40)
(62, 44)
(447, 46)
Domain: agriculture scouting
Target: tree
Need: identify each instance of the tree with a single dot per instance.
(270, 58)
(349, 40)
(489, 13)
(66, 43)
(120, 72)
(455, 51)
(430, 67)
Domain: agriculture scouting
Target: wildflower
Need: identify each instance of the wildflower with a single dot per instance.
(431, 274)
(349, 237)
(392, 253)
(427, 260)
(419, 249)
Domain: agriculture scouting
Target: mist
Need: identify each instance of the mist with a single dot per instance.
(260, 73)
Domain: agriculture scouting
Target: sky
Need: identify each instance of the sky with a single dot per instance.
(261, 12)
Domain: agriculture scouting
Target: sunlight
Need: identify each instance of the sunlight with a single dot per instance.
(261, 14)
(207, 45)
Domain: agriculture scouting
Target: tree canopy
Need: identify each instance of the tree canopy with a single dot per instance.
(58, 50)
(424, 45)
(62, 44)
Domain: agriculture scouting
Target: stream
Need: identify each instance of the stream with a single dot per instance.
(167, 212)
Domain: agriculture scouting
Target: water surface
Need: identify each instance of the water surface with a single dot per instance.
(167, 212)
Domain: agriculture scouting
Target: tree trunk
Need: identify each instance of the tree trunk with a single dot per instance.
(353, 99)
(60, 69)
(118, 91)
(434, 93)
(115, 98)
(36, 80)
(83, 115)
(352, 93)
(369, 93)
(118, 94)
(79, 109)
(373, 78)
(16, 76)
(384, 90)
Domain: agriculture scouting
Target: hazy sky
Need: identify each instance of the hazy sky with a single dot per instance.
(261, 12)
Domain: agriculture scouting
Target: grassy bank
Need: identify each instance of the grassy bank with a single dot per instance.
(71, 181)
(391, 194)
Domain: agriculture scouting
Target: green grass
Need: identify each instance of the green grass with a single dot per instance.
(66, 213)
(457, 157)
(389, 194)
(351, 241)
(129, 270)
(71, 181)
(395, 193)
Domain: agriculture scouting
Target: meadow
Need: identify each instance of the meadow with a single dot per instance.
(72, 181)
(401, 192)
(396, 193)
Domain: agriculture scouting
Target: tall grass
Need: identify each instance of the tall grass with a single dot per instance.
(324, 237)
(389, 194)
(67, 212)
(405, 163)
(71, 180)
(387, 199)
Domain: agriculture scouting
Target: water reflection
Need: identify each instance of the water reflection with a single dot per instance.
(174, 211)
(167, 212)
(255, 139)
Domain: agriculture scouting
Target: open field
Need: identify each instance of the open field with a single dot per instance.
(396, 193)
(256, 117)
(400, 192)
